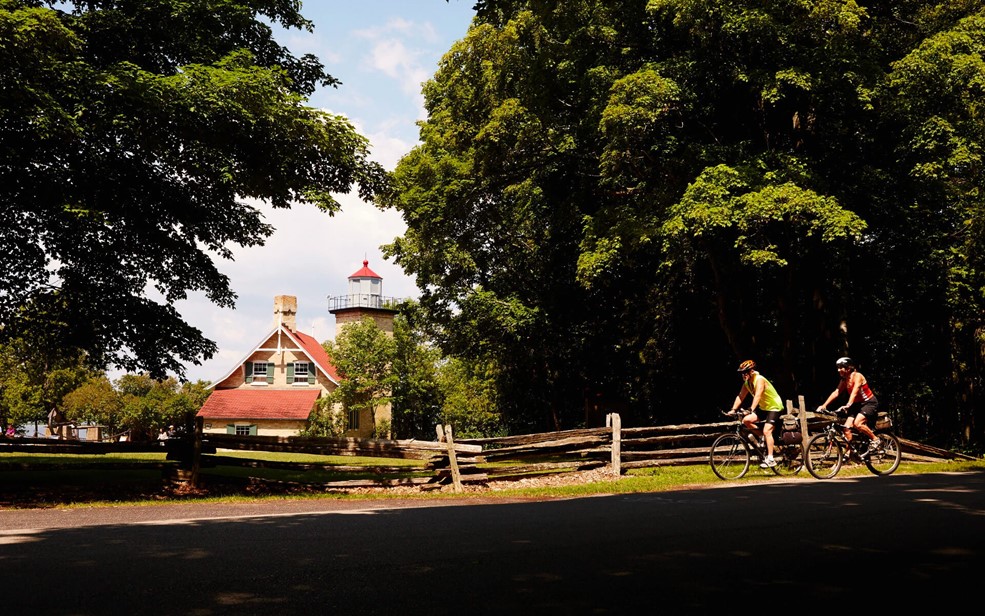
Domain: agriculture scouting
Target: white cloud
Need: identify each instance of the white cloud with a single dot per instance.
(311, 254)
(397, 51)
(388, 150)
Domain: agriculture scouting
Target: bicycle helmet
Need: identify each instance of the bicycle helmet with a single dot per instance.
(844, 362)
(746, 366)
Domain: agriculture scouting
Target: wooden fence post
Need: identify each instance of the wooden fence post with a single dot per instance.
(616, 423)
(197, 450)
(456, 477)
(803, 418)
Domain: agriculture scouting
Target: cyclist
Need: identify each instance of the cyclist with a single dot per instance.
(862, 406)
(766, 400)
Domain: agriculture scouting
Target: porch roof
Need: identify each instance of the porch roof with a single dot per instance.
(260, 403)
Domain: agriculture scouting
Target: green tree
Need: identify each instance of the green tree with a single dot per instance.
(148, 404)
(363, 355)
(469, 401)
(325, 420)
(407, 372)
(416, 398)
(134, 136)
(934, 100)
(95, 402)
(35, 378)
(619, 201)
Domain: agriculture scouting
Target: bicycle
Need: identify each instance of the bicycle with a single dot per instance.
(732, 452)
(826, 449)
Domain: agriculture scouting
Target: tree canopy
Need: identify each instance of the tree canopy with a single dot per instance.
(136, 137)
(616, 202)
(135, 404)
(363, 354)
(35, 378)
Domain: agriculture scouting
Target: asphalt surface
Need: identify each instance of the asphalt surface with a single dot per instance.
(180, 513)
(875, 544)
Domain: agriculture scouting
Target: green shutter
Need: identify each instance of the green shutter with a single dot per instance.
(311, 373)
(270, 373)
(248, 366)
(290, 373)
(230, 429)
(253, 430)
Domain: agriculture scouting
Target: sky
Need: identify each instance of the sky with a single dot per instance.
(382, 51)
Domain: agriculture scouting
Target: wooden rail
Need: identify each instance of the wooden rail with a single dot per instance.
(456, 460)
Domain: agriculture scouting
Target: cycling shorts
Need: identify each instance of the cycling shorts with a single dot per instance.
(768, 417)
(869, 408)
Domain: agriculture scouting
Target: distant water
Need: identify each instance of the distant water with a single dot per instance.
(41, 431)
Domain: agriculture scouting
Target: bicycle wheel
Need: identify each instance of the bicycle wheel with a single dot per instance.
(729, 457)
(789, 459)
(886, 459)
(824, 456)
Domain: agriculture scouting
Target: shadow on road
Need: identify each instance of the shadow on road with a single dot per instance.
(806, 544)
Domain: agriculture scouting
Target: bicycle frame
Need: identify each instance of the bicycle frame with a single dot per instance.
(826, 451)
(732, 452)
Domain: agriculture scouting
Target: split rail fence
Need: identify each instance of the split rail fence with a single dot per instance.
(450, 460)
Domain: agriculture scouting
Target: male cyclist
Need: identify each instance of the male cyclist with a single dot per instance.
(862, 406)
(766, 400)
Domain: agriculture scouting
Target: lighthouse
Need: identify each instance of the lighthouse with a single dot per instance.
(364, 299)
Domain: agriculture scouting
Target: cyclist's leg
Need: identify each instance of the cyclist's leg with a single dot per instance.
(867, 437)
(866, 418)
(750, 422)
(770, 419)
(854, 447)
(769, 429)
(847, 427)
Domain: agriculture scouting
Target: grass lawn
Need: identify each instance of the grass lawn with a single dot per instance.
(84, 480)
(44, 480)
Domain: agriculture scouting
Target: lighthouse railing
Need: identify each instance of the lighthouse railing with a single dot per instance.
(363, 300)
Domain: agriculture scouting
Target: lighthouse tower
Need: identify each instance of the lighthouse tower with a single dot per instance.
(364, 299)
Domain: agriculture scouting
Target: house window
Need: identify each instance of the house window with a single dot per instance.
(242, 429)
(353, 419)
(259, 373)
(300, 373)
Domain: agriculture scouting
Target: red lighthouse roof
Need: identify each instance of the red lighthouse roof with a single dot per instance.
(365, 272)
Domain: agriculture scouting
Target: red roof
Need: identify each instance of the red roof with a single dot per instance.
(365, 272)
(260, 403)
(316, 351)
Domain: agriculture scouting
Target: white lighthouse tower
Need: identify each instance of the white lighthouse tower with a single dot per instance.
(365, 298)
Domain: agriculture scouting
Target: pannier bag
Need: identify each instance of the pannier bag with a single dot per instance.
(791, 431)
(883, 421)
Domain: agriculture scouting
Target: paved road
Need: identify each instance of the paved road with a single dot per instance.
(12, 520)
(911, 538)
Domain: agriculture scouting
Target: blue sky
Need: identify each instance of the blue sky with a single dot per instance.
(381, 50)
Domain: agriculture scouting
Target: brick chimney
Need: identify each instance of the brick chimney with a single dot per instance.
(285, 311)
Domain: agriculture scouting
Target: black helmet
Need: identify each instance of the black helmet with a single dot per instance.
(844, 362)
